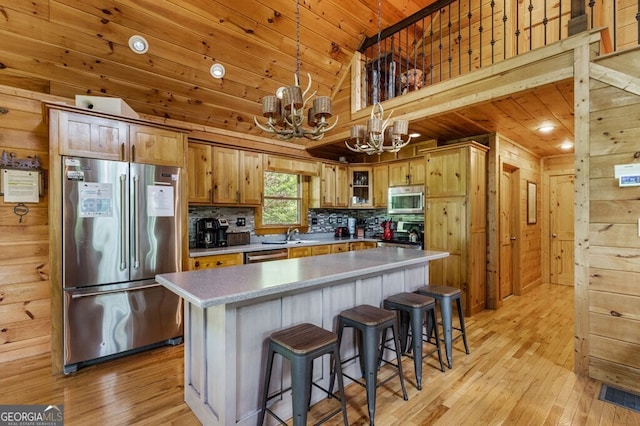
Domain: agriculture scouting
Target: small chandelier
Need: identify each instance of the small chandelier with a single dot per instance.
(379, 135)
(285, 111)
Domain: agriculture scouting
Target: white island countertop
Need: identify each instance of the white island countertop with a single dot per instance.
(218, 286)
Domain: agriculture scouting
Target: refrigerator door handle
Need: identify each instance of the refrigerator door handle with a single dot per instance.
(119, 290)
(123, 219)
(136, 223)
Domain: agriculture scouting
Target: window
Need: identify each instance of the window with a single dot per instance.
(282, 204)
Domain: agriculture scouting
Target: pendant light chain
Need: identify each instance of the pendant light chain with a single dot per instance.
(297, 41)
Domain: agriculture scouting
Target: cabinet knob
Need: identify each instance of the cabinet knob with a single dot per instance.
(219, 263)
(197, 264)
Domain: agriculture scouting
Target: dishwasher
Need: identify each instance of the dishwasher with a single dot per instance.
(265, 255)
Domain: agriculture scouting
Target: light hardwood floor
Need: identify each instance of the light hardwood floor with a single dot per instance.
(519, 372)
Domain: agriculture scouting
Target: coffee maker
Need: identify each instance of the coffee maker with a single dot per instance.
(211, 232)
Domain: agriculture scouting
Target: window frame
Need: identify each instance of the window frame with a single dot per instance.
(303, 225)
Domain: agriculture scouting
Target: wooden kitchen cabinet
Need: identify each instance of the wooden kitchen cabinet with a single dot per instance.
(237, 177)
(200, 172)
(150, 145)
(360, 187)
(319, 250)
(455, 220)
(106, 138)
(91, 136)
(215, 261)
(296, 252)
(339, 247)
(408, 172)
(334, 185)
(380, 185)
(362, 245)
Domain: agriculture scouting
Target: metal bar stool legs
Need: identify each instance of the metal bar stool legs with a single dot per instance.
(445, 295)
(371, 321)
(418, 308)
(301, 344)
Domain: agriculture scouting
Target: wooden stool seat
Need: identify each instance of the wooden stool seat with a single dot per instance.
(304, 338)
(301, 344)
(368, 315)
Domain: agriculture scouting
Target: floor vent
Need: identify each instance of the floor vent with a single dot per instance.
(620, 397)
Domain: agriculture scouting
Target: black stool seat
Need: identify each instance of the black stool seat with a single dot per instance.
(445, 295)
(301, 344)
(418, 308)
(371, 322)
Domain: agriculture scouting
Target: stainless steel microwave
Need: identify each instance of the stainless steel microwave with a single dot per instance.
(406, 199)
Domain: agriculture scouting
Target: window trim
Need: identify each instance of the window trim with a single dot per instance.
(303, 226)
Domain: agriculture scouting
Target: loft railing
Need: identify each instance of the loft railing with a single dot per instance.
(454, 37)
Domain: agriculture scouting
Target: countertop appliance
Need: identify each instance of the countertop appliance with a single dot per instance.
(407, 235)
(342, 232)
(120, 227)
(221, 225)
(205, 233)
(406, 200)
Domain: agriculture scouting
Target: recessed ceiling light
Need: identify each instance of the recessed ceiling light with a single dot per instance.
(217, 70)
(566, 145)
(546, 128)
(415, 135)
(138, 44)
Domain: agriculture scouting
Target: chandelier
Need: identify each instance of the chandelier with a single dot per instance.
(379, 136)
(285, 111)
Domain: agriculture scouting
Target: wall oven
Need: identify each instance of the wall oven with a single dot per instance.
(406, 200)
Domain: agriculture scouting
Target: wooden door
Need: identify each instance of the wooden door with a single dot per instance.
(328, 185)
(446, 173)
(561, 226)
(507, 234)
(417, 169)
(342, 186)
(225, 175)
(93, 137)
(399, 173)
(199, 173)
(252, 179)
(150, 145)
(380, 185)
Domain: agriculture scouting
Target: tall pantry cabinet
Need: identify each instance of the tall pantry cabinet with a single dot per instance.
(455, 219)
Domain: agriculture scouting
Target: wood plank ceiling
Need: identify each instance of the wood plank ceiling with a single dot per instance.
(69, 47)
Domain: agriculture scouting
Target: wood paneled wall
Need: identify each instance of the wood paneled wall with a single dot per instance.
(507, 153)
(613, 250)
(24, 245)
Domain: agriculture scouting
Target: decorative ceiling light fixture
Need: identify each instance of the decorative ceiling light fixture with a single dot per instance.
(285, 111)
(138, 44)
(378, 136)
(547, 128)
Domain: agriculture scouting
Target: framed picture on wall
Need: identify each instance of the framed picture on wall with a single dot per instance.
(531, 203)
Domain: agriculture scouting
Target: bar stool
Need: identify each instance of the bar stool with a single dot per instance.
(301, 344)
(445, 296)
(418, 308)
(371, 321)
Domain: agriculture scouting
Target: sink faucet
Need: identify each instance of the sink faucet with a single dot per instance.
(291, 232)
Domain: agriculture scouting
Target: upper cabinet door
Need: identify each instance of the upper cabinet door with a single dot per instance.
(226, 189)
(447, 173)
(151, 145)
(380, 185)
(199, 170)
(252, 178)
(90, 136)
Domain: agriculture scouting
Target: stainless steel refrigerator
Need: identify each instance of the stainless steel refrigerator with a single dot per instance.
(121, 227)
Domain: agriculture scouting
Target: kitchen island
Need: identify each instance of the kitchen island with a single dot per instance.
(230, 313)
